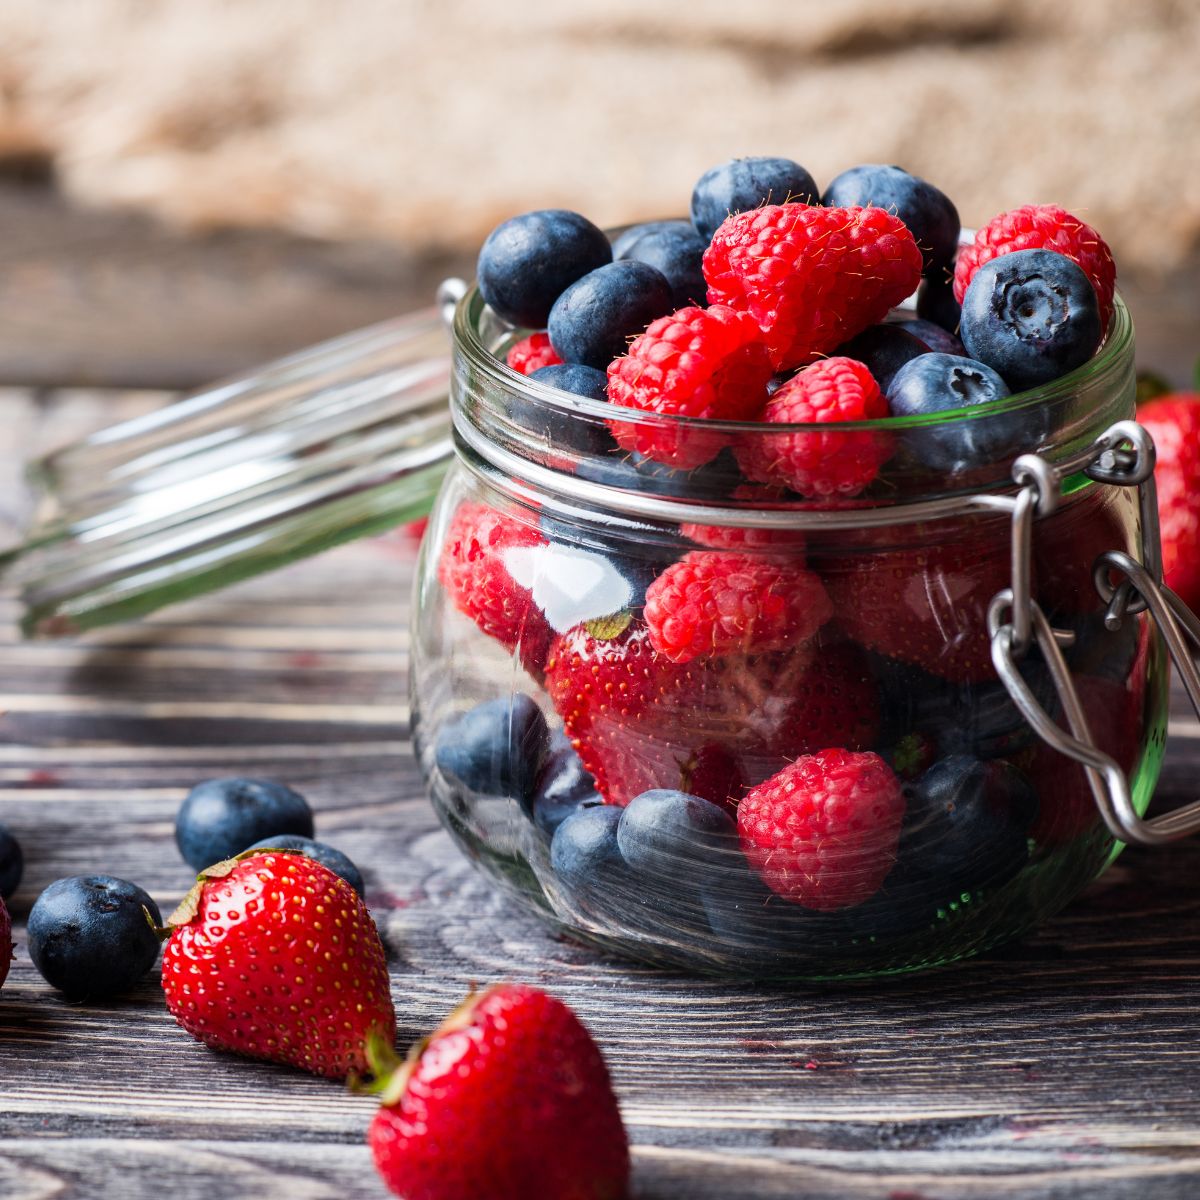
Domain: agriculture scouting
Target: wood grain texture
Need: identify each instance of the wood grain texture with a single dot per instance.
(1066, 1066)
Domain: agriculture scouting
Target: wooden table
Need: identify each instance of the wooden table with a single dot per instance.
(1065, 1066)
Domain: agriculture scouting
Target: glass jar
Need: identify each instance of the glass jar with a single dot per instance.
(544, 701)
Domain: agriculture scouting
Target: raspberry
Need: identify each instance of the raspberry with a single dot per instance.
(532, 353)
(716, 602)
(472, 571)
(823, 832)
(697, 362)
(835, 463)
(1041, 227)
(811, 277)
(737, 537)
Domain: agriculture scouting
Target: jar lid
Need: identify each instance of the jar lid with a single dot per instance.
(347, 438)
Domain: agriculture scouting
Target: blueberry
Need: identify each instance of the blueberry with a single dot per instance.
(715, 480)
(529, 261)
(564, 786)
(937, 306)
(929, 213)
(883, 349)
(746, 183)
(560, 427)
(584, 852)
(625, 241)
(936, 383)
(638, 568)
(676, 839)
(777, 381)
(221, 817)
(934, 336)
(495, 748)
(89, 937)
(12, 863)
(675, 249)
(1032, 316)
(593, 320)
(967, 822)
(327, 856)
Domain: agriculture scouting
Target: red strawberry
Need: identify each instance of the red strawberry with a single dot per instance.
(1174, 422)
(532, 353)
(473, 572)
(1041, 227)
(714, 602)
(697, 362)
(833, 463)
(823, 832)
(273, 955)
(926, 605)
(509, 1100)
(6, 945)
(811, 277)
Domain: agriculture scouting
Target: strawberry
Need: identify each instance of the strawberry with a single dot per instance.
(274, 956)
(509, 1099)
(1174, 422)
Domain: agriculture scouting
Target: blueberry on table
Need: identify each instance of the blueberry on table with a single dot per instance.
(529, 261)
(593, 320)
(495, 748)
(327, 856)
(12, 863)
(745, 183)
(89, 937)
(883, 350)
(937, 383)
(221, 817)
(928, 212)
(934, 336)
(967, 822)
(1032, 316)
(677, 250)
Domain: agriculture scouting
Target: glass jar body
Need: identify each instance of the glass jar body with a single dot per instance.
(651, 788)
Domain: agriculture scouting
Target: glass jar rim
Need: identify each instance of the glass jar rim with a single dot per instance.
(1108, 359)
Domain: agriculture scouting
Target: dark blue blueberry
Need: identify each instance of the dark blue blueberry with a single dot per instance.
(221, 817)
(777, 381)
(563, 787)
(584, 853)
(676, 250)
(745, 183)
(529, 261)
(89, 937)
(327, 856)
(929, 213)
(12, 863)
(625, 241)
(678, 840)
(936, 304)
(936, 383)
(883, 349)
(934, 336)
(967, 822)
(562, 428)
(1032, 316)
(495, 748)
(714, 480)
(593, 320)
(637, 565)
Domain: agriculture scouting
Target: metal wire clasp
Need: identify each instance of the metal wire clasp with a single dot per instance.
(1122, 456)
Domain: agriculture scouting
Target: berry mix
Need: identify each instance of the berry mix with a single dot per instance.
(763, 742)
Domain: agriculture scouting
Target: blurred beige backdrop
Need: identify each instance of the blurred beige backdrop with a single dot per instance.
(427, 122)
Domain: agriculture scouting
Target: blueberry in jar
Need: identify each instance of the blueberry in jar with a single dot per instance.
(89, 936)
(625, 241)
(564, 787)
(934, 336)
(745, 183)
(562, 428)
(676, 838)
(883, 350)
(937, 306)
(327, 856)
(677, 250)
(221, 817)
(495, 748)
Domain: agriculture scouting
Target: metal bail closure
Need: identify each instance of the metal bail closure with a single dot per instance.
(1122, 456)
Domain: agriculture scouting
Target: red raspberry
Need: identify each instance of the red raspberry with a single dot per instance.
(811, 277)
(1041, 227)
(472, 571)
(736, 537)
(823, 832)
(697, 362)
(532, 353)
(835, 463)
(715, 602)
